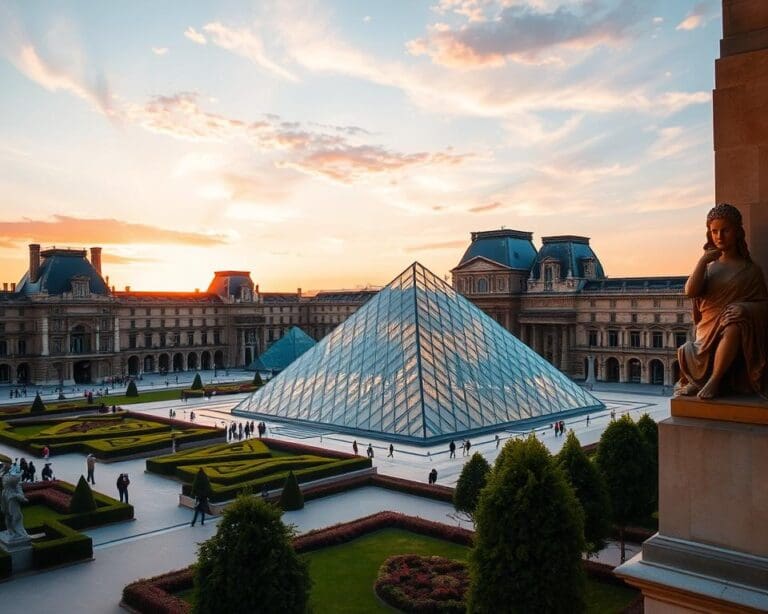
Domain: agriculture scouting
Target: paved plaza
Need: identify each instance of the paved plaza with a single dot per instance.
(160, 539)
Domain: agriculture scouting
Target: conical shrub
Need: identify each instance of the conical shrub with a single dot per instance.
(82, 499)
(257, 381)
(37, 405)
(291, 498)
(131, 391)
(197, 384)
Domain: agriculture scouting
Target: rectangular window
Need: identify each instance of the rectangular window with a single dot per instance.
(613, 338)
(593, 338)
(133, 323)
(216, 337)
(147, 341)
(634, 338)
(132, 341)
(190, 338)
(634, 318)
(3, 348)
(592, 317)
(681, 318)
(613, 316)
(22, 347)
(657, 339)
(680, 339)
(147, 324)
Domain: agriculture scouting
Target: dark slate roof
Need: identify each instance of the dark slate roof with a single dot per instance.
(284, 351)
(512, 248)
(636, 284)
(230, 282)
(279, 297)
(57, 268)
(570, 251)
(168, 297)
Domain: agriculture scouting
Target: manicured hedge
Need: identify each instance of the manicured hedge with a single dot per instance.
(61, 545)
(251, 470)
(243, 450)
(275, 480)
(155, 595)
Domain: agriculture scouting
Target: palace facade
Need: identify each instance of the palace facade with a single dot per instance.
(558, 300)
(63, 323)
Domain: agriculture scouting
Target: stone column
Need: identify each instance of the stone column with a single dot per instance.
(564, 350)
(44, 329)
(98, 338)
(117, 337)
(741, 119)
(536, 338)
(523, 333)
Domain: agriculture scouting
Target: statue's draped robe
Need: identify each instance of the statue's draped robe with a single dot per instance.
(745, 288)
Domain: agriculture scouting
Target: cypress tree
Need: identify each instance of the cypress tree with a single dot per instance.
(37, 405)
(471, 481)
(529, 536)
(82, 499)
(625, 463)
(590, 490)
(650, 432)
(291, 498)
(197, 384)
(251, 540)
(131, 391)
(257, 381)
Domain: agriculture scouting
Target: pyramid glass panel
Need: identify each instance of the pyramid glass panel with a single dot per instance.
(284, 351)
(419, 363)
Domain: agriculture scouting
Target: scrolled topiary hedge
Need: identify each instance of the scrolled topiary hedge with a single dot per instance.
(238, 471)
(5, 564)
(243, 450)
(275, 480)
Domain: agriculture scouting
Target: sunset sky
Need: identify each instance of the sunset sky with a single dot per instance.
(330, 144)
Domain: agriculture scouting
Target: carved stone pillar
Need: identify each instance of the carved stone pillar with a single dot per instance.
(44, 331)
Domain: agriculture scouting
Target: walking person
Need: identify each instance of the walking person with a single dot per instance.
(369, 451)
(354, 447)
(122, 487)
(391, 451)
(31, 471)
(433, 476)
(452, 448)
(47, 473)
(467, 446)
(498, 440)
(90, 464)
(201, 506)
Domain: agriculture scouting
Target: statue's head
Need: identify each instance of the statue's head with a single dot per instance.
(727, 212)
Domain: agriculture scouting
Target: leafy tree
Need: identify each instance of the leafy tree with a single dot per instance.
(197, 384)
(650, 432)
(82, 499)
(529, 536)
(250, 564)
(257, 381)
(471, 481)
(37, 405)
(291, 498)
(591, 491)
(201, 485)
(626, 466)
(131, 391)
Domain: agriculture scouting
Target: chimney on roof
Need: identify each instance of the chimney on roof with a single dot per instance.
(34, 262)
(298, 291)
(5, 286)
(127, 288)
(113, 289)
(106, 280)
(96, 259)
(13, 286)
(197, 290)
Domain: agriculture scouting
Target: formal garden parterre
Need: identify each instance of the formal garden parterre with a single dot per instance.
(108, 437)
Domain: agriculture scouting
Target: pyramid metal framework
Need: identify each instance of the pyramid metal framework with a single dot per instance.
(284, 351)
(420, 364)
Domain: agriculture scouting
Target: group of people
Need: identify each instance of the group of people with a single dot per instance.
(559, 428)
(238, 432)
(465, 446)
(17, 393)
(28, 471)
(432, 477)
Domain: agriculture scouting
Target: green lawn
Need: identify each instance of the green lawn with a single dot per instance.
(36, 515)
(355, 565)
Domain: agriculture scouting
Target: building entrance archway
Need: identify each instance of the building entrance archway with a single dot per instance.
(635, 369)
(657, 372)
(81, 372)
(612, 370)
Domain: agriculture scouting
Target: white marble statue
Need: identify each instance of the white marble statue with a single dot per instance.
(10, 502)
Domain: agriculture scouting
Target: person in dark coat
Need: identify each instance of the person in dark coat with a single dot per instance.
(452, 448)
(122, 487)
(201, 506)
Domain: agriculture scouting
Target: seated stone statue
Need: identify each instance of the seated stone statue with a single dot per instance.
(12, 497)
(730, 311)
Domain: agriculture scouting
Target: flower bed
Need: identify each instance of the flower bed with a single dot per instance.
(155, 595)
(219, 389)
(423, 584)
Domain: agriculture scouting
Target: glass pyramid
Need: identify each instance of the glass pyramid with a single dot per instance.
(419, 363)
(284, 351)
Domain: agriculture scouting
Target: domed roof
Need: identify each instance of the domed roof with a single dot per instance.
(512, 248)
(57, 268)
(574, 255)
(231, 283)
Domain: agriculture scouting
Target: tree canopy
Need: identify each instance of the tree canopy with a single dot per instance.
(471, 481)
(250, 564)
(529, 536)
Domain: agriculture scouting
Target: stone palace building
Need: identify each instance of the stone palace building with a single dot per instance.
(63, 323)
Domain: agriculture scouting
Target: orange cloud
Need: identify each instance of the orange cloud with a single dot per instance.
(488, 207)
(100, 231)
(438, 245)
(116, 259)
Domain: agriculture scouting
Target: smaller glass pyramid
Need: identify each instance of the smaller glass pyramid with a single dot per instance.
(419, 363)
(284, 351)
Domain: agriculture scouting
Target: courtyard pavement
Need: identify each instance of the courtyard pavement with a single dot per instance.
(160, 539)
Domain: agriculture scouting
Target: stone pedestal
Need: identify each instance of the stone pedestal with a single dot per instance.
(711, 551)
(20, 551)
